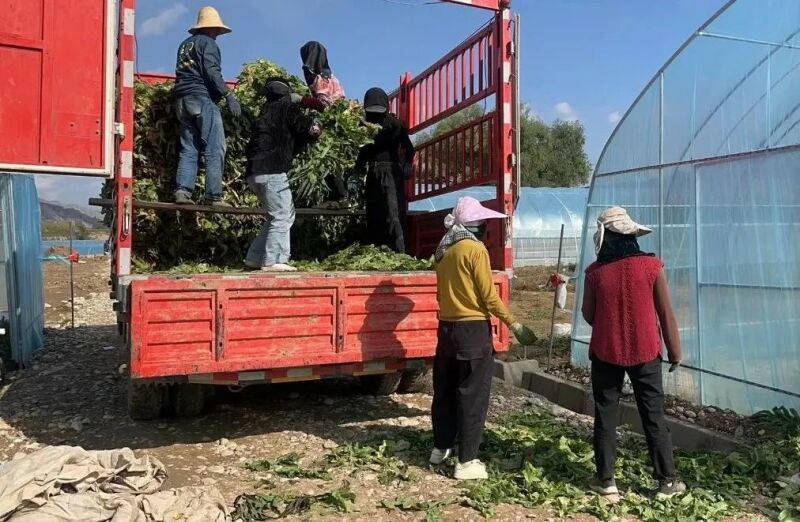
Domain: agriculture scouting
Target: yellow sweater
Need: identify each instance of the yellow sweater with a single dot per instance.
(465, 287)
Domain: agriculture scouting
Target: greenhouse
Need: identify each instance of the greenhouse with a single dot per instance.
(709, 157)
(537, 221)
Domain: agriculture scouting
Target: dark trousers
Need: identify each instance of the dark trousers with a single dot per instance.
(462, 382)
(607, 381)
(383, 206)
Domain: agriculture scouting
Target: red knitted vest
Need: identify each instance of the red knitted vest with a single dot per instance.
(626, 330)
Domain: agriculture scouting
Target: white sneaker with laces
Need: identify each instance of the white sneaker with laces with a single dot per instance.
(438, 456)
(472, 470)
(279, 267)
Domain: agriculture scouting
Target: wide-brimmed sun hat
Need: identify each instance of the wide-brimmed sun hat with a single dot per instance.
(209, 18)
(616, 219)
(470, 210)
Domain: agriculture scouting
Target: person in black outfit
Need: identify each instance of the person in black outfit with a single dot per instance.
(280, 132)
(386, 162)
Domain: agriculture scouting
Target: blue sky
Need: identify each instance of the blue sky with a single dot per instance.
(581, 59)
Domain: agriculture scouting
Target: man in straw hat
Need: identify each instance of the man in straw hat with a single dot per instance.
(464, 363)
(626, 301)
(199, 86)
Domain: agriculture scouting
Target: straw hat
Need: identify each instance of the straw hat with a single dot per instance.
(209, 18)
(616, 219)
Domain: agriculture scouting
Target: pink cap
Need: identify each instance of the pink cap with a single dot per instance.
(470, 209)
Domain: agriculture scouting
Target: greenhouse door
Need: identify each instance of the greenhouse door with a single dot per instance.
(57, 87)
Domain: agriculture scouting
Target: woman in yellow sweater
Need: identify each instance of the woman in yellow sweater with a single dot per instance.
(464, 363)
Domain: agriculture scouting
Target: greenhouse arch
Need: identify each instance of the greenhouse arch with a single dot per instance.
(709, 156)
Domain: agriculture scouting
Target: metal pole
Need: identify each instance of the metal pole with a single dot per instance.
(555, 301)
(71, 278)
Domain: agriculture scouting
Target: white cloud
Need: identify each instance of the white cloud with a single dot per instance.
(69, 190)
(565, 112)
(614, 117)
(163, 21)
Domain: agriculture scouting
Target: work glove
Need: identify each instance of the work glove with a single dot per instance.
(234, 106)
(524, 335)
(296, 98)
(316, 128)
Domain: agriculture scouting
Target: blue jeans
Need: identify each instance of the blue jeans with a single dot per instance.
(202, 131)
(271, 246)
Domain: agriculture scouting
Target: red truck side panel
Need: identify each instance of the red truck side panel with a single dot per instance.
(53, 88)
(218, 324)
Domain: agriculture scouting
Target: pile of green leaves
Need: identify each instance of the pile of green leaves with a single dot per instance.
(287, 466)
(537, 461)
(380, 458)
(366, 258)
(164, 239)
(432, 510)
(261, 506)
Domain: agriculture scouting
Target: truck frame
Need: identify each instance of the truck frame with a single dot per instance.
(186, 333)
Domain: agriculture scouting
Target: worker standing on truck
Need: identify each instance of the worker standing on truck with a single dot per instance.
(626, 301)
(199, 86)
(464, 362)
(325, 91)
(386, 162)
(280, 131)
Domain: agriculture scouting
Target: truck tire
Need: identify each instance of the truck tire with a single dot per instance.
(413, 381)
(189, 400)
(145, 400)
(383, 384)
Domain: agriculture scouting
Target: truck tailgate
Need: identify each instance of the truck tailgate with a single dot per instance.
(232, 323)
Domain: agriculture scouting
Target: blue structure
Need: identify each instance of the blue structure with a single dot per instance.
(709, 157)
(537, 220)
(21, 286)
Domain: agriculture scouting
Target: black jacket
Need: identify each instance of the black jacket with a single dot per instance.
(198, 71)
(387, 143)
(277, 135)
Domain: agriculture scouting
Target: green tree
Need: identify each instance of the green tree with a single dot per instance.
(552, 155)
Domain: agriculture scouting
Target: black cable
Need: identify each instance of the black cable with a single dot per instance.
(736, 379)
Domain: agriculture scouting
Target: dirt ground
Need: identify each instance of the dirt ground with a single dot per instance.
(75, 393)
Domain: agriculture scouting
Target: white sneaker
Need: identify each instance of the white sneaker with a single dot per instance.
(279, 267)
(472, 470)
(438, 456)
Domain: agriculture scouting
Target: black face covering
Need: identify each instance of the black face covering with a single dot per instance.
(315, 61)
(277, 88)
(618, 246)
(477, 230)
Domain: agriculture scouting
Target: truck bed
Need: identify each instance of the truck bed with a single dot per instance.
(229, 328)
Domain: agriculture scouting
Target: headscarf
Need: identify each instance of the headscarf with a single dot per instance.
(277, 88)
(315, 61)
(616, 235)
(468, 211)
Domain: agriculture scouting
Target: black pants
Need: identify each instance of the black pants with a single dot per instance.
(607, 381)
(385, 215)
(462, 382)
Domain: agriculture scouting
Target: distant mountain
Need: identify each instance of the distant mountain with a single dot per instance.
(54, 212)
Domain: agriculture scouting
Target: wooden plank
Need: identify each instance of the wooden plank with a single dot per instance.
(244, 211)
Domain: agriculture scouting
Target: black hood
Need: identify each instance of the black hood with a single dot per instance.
(276, 89)
(315, 61)
(376, 100)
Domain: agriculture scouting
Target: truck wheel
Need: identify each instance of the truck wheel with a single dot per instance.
(144, 400)
(189, 400)
(383, 384)
(413, 381)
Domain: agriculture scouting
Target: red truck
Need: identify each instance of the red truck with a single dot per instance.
(186, 333)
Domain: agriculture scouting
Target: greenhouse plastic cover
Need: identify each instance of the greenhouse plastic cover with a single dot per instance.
(22, 281)
(708, 156)
(538, 218)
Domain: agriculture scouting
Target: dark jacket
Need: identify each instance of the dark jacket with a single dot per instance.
(280, 131)
(198, 71)
(387, 144)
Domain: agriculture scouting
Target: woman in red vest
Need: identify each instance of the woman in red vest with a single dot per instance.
(626, 301)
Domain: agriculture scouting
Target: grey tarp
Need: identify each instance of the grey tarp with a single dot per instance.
(65, 484)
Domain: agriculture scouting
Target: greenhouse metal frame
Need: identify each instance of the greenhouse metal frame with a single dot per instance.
(709, 156)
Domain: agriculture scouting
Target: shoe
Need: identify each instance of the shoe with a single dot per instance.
(182, 198)
(279, 267)
(603, 487)
(472, 470)
(438, 456)
(250, 264)
(670, 488)
(216, 203)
